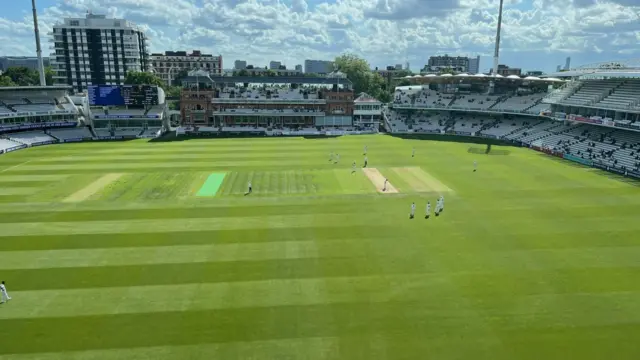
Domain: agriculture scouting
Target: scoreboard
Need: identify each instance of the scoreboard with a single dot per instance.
(121, 95)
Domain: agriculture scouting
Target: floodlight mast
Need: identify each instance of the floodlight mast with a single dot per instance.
(43, 81)
(496, 54)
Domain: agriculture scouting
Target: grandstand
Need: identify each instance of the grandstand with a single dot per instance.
(31, 138)
(7, 145)
(27, 112)
(142, 114)
(66, 135)
(475, 93)
(259, 104)
(593, 117)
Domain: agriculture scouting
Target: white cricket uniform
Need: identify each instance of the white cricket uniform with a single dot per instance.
(3, 293)
(428, 209)
(249, 185)
(384, 188)
(441, 202)
(475, 165)
(353, 166)
(413, 209)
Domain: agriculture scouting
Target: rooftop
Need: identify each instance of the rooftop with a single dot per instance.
(268, 80)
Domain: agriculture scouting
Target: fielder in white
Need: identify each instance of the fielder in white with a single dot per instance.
(428, 211)
(3, 293)
(337, 158)
(413, 210)
(365, 150)
(475, 166)
(250, 187)
(384, 188)
(331, 157)
(353, 167)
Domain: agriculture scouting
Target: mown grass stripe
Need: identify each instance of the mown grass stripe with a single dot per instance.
(211, 185)
(395, 322)
(158, 255)
(101, 241)
(316, 348)
(509, 225)
(434, 291)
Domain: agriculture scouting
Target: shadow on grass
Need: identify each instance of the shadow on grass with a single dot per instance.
(483, 151)
(461, 139)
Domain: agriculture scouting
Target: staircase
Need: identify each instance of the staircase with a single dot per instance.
(498, 101)
(563, 92)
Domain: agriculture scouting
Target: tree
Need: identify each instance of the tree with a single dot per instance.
(177, 79)
(173, 91)
(361, 76)
(143, 78)
(447, 70)
(356, 69)
(23, 76)
(270, 73)
(6, 81)
(48, 75)
(243, 72)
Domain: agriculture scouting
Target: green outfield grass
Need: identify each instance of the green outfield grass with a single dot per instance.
(136, 250)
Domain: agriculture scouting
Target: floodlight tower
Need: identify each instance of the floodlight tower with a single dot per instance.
(496, 54)
(43, 81)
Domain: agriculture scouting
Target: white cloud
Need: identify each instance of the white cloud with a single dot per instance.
(535, 34)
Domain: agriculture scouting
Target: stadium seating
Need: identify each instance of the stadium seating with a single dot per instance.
(475, 101)
(504, 127)
(103, 132)
(269, 92)
(66, 134)
(151, 132)
(623, 97)
(128, 131)
(5, 110)
(7, 144)
(30, 138)
(519, 102)
(592, 91)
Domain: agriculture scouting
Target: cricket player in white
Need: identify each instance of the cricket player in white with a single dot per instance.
(365, 150)
(331, 157)
(366, 161)
(3, 291)
(384, 188)
(428, 212)
(475, 166)
(249, 185)
(413, 210)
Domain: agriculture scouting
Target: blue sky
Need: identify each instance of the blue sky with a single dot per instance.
(537, 34)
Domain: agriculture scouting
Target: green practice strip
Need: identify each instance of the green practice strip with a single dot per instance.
(211, 186)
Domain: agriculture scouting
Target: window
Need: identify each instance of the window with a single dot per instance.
(74, 23)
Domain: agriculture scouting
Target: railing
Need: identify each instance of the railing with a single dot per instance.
(266, 101)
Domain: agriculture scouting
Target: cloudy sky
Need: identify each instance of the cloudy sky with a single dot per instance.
(537, 34)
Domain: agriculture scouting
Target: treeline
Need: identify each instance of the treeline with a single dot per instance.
(24, 76)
